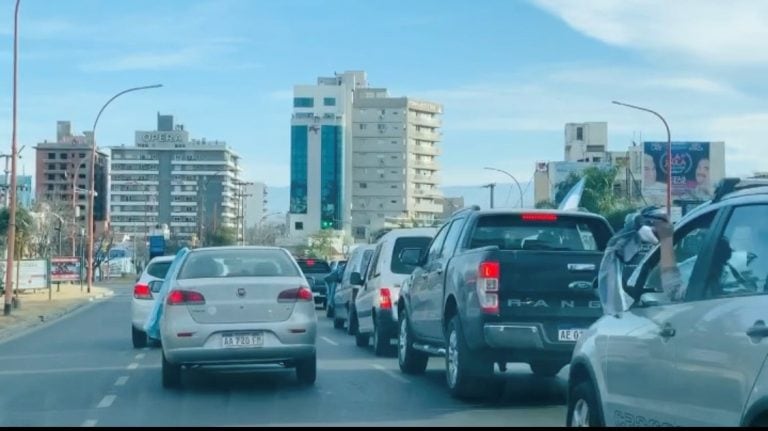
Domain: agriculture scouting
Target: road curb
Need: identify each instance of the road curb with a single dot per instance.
(23, 328)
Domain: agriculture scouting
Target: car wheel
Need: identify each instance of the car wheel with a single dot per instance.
(306, 370)
(411, 361)
(583, 410)
(361, 340)
(465, 371)
(338, 323)
(171, 374)
(139, 338)
(381, 340)
(352, 326)
(546, 369)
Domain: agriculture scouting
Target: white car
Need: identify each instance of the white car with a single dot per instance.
(143, 298)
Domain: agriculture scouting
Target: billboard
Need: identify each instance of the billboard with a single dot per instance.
(29, 274)
(65, 269)
(691, 179)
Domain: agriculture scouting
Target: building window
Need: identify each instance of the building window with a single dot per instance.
(51, 177)
(579, 133)
(363, 126)
(299, 225)
(50, 187)
(329, 101)
(331, 139)
(303, 102)
(363, 185)
(299, 144)
(63, 156)
(51, 156)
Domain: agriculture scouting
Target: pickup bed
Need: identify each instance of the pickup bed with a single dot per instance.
(501, 286)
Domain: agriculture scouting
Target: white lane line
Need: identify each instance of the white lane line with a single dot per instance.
(390, 373)
(121, 380)
(89, 423)
(329, 341)
(106, 401)
(71, 370)
(140, 356)
(133, 366)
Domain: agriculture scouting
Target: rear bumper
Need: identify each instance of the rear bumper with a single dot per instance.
(237, 356)
(525, 341)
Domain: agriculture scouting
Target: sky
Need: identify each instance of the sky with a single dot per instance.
(509, 73)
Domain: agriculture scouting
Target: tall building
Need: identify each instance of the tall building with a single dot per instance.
(189, 185)
(586, 142)
(61, 174)
(255, 204)
(23, 190)
(394, 165)
(321, 153)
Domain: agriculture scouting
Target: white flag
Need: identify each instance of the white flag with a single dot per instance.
(573, 198)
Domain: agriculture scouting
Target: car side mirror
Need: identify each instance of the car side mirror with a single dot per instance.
(411, 256)
(652, 299)
(356, 279)
(155, 285)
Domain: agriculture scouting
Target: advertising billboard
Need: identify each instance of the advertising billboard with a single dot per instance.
(691, 179)
(28, 274)
(65, 269)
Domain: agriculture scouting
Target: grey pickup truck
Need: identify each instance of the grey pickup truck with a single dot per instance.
(501, 286)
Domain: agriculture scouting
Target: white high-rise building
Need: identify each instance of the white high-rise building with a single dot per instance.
(255, 204)
(394, 167)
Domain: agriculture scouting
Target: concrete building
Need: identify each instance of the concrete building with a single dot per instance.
(255, 204)
(321, 155)
(61, 174)
(166, 178)
(23, 190)
(394, 164)
(586, 142)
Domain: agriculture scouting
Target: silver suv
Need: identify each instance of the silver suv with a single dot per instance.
(694, 361)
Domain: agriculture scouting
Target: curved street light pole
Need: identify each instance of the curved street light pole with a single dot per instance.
(519, 189)
(92, 180)
(669, 152)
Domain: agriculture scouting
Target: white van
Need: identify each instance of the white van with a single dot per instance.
(375, 311)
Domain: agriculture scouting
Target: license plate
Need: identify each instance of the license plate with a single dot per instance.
(243, 340)
(569, 334)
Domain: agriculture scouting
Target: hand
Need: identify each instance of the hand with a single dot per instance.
(664, 229)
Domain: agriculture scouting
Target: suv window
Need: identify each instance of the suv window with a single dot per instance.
(373, 270)
(453, 236)
(313, 266)
(158, 269)
(740, 259)
(540, 231)
(437, 244)
(419, 242)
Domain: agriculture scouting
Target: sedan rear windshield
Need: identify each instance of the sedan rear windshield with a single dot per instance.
(314, 266)
(158, 269)
(238, 263)
(540, 231)
(420, 243)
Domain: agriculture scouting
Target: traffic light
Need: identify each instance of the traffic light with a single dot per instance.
(325, 224)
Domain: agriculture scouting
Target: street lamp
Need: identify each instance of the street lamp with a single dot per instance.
(12, 193)
(519, 189)
(92, 179)
(669, 152)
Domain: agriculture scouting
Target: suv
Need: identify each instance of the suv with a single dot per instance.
(695, 359)
(499, 286)
(143, 298)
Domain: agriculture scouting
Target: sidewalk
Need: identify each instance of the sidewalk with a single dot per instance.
(37, 309)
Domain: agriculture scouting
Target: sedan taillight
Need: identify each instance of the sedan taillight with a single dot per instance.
(141, 291)
(296, 294)
(185, 297)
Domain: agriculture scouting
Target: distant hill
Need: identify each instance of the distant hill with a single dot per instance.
(506, 196)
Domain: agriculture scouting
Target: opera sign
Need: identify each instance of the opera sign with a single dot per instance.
(161, 137)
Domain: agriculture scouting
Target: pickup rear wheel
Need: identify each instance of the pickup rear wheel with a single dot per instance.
(466, 371)
(411, 361)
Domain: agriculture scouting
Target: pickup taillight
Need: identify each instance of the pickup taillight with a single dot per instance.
(488, 274)
(385, 298)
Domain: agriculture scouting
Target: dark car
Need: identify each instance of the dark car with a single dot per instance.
(316, 271)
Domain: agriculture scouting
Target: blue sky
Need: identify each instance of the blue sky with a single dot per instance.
(509, 73)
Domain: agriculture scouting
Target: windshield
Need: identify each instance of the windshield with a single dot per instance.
(314, 266)
(237, 263)
(515, 232)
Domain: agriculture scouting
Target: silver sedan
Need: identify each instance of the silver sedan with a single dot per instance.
(238, 306)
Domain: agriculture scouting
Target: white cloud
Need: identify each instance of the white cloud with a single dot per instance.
(712, 31)
(745, 137)
(147, 61)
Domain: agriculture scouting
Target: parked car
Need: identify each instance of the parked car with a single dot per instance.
(238, 305)
(500, 286)
(344, 296)
(694, 359)
(144, 297)
(316, 271)
(374, 313)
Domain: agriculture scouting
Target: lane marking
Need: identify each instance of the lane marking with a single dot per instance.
(121, 380)
(71, 370)
(140, 356)
(89, 423)
(329, 341)
(390, 373)
(106, 401)
(133, 366)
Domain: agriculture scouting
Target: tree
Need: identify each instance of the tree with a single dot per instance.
(223, 235)
(24, 230)
(598, 196)
(262, 234)
(321, 245)
(547, 204)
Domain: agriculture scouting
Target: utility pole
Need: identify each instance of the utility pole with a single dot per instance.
(490, 186)
(12, 192)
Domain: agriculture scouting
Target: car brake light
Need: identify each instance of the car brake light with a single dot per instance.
(141, 291)
(488, 274)
(539, 217)
(296, 294)
(385, 298)
(185, 297)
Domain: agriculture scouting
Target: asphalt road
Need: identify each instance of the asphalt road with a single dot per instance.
(82, 371)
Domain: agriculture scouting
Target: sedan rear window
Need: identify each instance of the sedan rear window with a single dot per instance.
(158, 269)
(541, 231)
(238, 263)
(420, 243)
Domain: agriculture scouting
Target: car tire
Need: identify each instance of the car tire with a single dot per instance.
(362, 340)
(338, 323)
(171, 374)
(410, 360)
(546, 369)
(466, 371)
(306, 370)
(329, 312)
(352, 326)
(583, 409)
(139, 338)
(381, 341)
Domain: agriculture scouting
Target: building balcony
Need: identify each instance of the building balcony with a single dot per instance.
(434, 193)
(428, 207)
(421, 164)
(424, 149)
(426, 179)
(424, 121)
(424, 136)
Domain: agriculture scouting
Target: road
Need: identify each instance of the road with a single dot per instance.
(82, 371)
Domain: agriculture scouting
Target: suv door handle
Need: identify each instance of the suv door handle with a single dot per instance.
(667, 331)
(758, 330)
